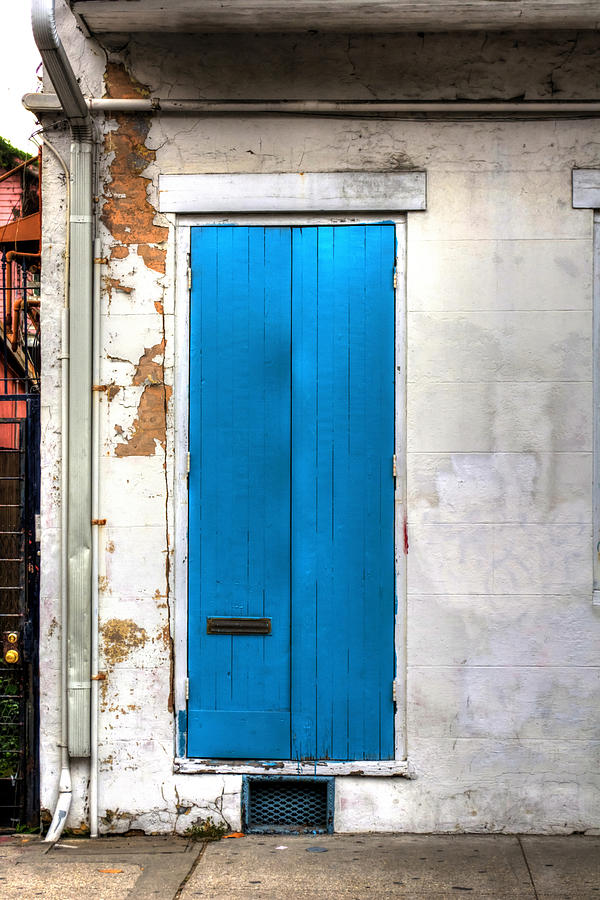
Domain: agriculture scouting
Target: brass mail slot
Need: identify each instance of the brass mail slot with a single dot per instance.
(241, 625)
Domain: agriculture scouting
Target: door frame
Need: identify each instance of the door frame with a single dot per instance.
(182, 222)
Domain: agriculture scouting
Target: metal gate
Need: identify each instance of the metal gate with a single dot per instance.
(19, 581)
(19, 550)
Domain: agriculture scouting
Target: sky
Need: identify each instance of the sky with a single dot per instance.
(19, 59)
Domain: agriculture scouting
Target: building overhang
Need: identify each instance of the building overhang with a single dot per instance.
(110, 16)
(27, 229)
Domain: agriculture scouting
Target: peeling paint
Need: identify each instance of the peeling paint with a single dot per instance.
(154, 257)
(149, 427)
(127, 212)
(123, 710)
(111, 816)
(114, 284)
(149, 369)
(165, 636)
(106, 764)
(120, 637)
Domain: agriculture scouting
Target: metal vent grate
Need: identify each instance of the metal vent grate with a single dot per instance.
(278, 804)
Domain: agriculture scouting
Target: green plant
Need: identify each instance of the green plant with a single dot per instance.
(8, 685)
(28, 829)
(10, 156)
(206, 830)
(9, 711)
(9, 765)
(9, 727)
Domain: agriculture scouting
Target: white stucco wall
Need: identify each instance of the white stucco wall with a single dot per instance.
(502, 638)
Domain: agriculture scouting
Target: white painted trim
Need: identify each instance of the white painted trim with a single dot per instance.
(400, 636)
(385, 768)
(180, 487)
(596, 406)
(183, 765)
(283, 219)
(586, 188)
(289, 192)
(586, 195)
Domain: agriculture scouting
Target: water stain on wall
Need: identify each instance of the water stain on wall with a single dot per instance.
(120, 637)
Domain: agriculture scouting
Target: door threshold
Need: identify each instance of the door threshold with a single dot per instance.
(382, 768)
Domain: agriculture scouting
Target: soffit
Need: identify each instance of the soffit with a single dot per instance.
(103, 16)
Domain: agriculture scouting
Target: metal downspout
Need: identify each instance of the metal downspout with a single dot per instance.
(76, 460)
(40, 103)
(97, 524)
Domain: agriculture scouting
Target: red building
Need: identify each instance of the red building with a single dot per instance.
(19, 480)
(20, 229)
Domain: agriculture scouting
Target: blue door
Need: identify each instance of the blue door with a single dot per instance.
(291, 527)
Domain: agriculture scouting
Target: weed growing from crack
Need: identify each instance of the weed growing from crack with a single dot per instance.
(206, 830)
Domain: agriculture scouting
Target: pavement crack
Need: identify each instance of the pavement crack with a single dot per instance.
(535, 893)
(190, 872)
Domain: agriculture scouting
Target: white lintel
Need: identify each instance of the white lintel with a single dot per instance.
(291, 192)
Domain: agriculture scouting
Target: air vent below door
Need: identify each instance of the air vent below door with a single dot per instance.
(277, 804)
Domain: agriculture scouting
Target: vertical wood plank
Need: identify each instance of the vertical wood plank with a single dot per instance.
(304, 488)
(343, 492)
(239, 489)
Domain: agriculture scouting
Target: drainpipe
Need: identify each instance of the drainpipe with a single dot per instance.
(40, 103)
(97, 523)
(77, 385)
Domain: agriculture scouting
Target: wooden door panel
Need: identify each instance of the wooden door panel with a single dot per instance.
(291, 491)
(343, 492)
(239, 526)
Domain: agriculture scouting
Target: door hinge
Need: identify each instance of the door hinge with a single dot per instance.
(395, 279)
(188, 462)
(189, 278)
(187, 688)
(395, 691)
(394, 466)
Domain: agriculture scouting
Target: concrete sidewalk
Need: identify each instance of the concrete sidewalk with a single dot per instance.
(357, 867)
